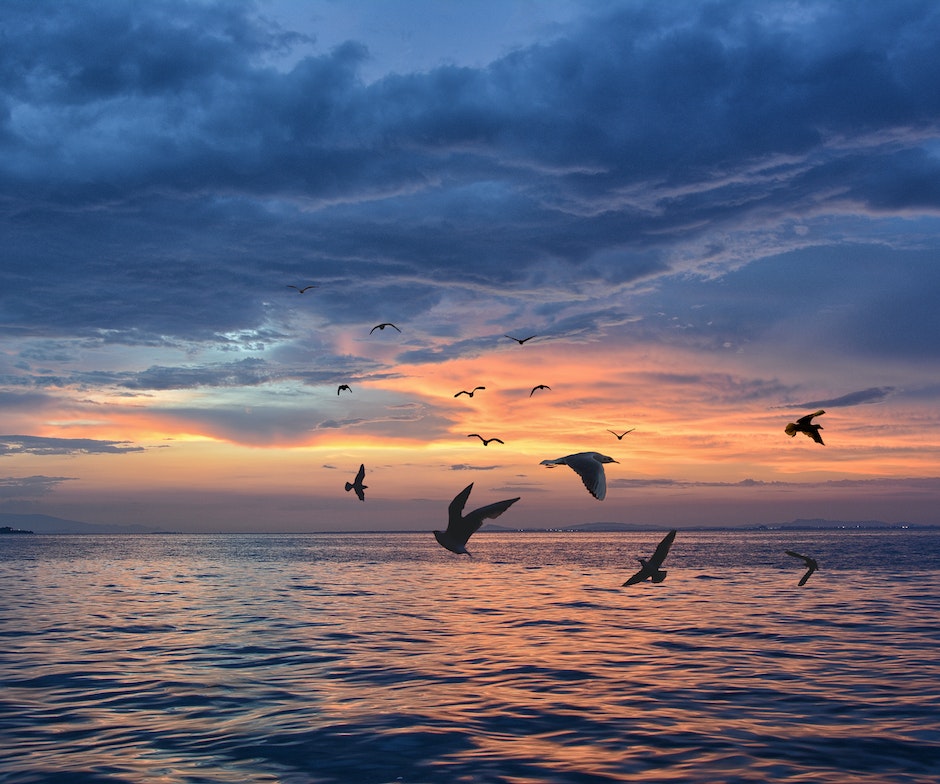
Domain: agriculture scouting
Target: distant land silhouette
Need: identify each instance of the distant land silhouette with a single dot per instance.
(46, 524)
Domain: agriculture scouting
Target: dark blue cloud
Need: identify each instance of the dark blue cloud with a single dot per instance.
(39, 445)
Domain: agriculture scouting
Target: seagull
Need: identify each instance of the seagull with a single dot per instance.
(300, 290)
(621, 435)
(357, 485)
(811, 565)
(540, 386)
(650, 569)
(805, 425)
(520, 341)
(461, 527)
(341, 387)
(486, 441)
(470, 393)
(383, 326)
(590, 467)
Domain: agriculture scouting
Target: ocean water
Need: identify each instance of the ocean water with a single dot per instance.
(384, 658)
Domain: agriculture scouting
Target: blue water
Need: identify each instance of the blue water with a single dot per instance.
(369, 658)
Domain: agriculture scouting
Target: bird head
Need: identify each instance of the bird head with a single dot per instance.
(603, 458)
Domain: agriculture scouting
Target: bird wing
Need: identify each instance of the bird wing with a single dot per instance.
(662, 550)
(814, 434)
(455, 513)
(638, 576)
(361, 475)
(360, 491)
(591, 473)
(475, 519)
(803, 558)
(805, 420)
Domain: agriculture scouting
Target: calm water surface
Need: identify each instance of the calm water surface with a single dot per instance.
(368, 658)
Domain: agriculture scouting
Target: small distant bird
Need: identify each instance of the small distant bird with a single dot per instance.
(650, 569)
(470, 393)
(486, 441)
(621, 435)
(357, 485)
(520, 341)
(590, 467)
(811, 565)
(383, 326)
(539, 386)
(341, 387)
(461, 527)
(805, 425)
(300, 290)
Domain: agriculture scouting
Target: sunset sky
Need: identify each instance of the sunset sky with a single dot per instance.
(715, 217)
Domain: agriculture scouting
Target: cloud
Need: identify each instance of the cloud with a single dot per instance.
(872, 395)
(468, 467)
(29, 486)
(40, 445)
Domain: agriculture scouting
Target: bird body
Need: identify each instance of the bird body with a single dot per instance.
(461, 527)
(520, 341)
(468, 394)
(590, 467)
(357, 485)
(650, 569)
(621, 435)
(811, 565)
(383, 326)
(341, 387)
(539, 386)
(486, 441)
(805, 425)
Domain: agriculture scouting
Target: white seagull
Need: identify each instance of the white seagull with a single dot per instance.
(461, 527)
(650, 569)
(357, 485)
(590, 467)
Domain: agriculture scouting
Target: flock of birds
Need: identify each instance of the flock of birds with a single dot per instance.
(589, 466)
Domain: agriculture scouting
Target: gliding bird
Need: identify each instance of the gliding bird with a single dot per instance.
(590, 467)
(520, 341)
(539, 386)
(650, 569)
(383, 326)
(811, 565)
(357, 485)
(470, 393)
(805, 425)
(461, 527)
(621, 435)
(341, 387)
(300, 290)
(486, 441)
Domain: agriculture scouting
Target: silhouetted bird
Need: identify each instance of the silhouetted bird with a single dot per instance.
(383, 326)
(805, 425)
(589, 466)
(300, 290)
(621, 435)
(461, 527)
(540, 386)
(470, 393)
(485, 441)
(651, 569)
(357, 485)
(341, 387)
(520, 341)
(811, 565)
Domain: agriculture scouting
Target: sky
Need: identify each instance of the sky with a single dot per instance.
(714, 217)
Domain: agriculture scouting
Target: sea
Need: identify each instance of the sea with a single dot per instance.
(385, 658)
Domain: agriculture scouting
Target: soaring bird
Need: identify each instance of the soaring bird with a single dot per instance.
(805, 425)
(341, 387)
(539, 386)
(590, 467)
(470, 393)
(811, 565)
(520, 341)
(461, 527)
(621, 435)
(650, 569)
(383, 326)
(300, 290)
(486, 441)
(357, 485)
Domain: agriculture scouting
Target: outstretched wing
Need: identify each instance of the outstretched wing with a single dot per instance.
(591, 473)
(662, 550)
(805, 420)
(361, 475)
(639, 577)
(455, 512)
(475, 519)
(803, 558)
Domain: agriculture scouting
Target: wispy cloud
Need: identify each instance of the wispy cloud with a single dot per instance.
(40, 445)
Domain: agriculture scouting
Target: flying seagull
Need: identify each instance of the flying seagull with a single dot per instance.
(520, 341)
(621, 435)
(357, 485)
(383, 326)
(486, 441)
(300, 290)
(590, 467)
(539, 386)
(341, 387)
(650, 569)
(461, 527)
(805, 425)
(811, 565)
(470, 393)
